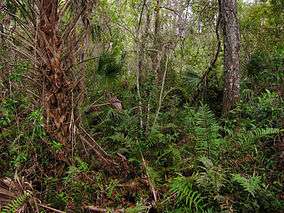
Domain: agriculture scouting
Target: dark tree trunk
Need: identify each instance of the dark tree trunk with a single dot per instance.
(231, 34)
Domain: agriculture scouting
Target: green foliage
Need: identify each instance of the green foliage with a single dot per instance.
(264, 70)
(17, 203)
(55, 197)
(8, 107)
(250, 185)
(249, 137)
(108, 65)
(56, 146)
(205, 131)
(185, 194)
(137, 209)
(225, 164)
(20, 68)
(259, 111)
(154, 175)
(211, 178)
(36, 118)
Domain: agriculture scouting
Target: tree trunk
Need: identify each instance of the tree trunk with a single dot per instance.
(156, 59)
(57, 98)
(143, 34)
(231, 34)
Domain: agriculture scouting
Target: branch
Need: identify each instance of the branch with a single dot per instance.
(141, 15)
(153, 190)
(97, 209)
(50, 208)
(216, 55)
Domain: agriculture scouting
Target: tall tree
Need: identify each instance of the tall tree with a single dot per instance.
(231, 33)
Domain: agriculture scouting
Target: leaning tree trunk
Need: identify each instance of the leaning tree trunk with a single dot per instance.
(57, 100)
(231, 54)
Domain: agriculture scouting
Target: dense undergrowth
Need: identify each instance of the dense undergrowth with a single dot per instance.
(178, 152)
(190, 158)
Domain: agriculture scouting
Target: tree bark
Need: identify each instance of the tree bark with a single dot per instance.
(156, 59)
(57, 99)
(231, 33)
(143, 36)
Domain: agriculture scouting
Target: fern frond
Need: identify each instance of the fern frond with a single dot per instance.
(15, 195)
(251, 185)
(247, 138)
(185, 194)
(211, 178)
(205, 129)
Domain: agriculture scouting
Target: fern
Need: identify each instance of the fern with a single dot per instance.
(248, 138)
(137, 209)
(259, 133)
(153, 175)
(17, 203)
(212, 178)
(185, 194)
(251, 185)
(188, 210)
(205, 129)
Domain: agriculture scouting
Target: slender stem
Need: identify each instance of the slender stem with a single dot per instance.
(161, 92)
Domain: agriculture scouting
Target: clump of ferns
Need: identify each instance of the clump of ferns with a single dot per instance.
(254, 193)
(17, 204)
(17, 196)
(212, 180)
(249, 143)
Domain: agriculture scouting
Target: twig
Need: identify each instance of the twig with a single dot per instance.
(96, 144)
(72, 127)
(148, 115)
(170, 9)
(82, 62)
(72, 24)
(22, 52)
(32, 93)
(139, 98)
(141, 15)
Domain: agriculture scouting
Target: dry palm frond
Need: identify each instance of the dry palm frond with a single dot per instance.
(16, 195)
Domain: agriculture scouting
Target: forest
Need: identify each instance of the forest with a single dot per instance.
(142, 106)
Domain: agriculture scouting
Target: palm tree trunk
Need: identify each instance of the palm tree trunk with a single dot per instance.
(57, 99)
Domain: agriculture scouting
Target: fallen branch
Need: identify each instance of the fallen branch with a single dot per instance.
(152, 187)
(97, 209)
(97, 148)
(50, 208)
